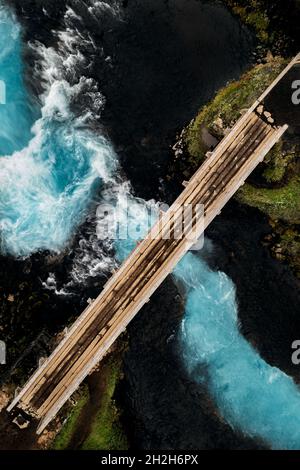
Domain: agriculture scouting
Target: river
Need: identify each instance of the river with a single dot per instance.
(109, 89)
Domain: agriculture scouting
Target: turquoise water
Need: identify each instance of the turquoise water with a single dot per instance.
(50, 166)
(18, 114)
(252, 396)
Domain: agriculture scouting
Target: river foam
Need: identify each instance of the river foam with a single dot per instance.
(47, 185)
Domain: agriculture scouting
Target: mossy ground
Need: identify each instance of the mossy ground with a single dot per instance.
(255, 15)
(63, 438)
(276, 23)
(278, 162)
(94, 422)
(106, 430)
(279, 203)
(222, 112)
(284, 243)
(275, 190)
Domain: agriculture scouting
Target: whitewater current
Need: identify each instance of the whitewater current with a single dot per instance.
(55, 161)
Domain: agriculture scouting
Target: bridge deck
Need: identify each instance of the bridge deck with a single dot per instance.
(153, 259)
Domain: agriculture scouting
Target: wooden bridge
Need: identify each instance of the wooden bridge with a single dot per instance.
(94, 332)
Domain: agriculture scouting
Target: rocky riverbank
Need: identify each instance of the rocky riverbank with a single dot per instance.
(258, 248)
(274, 188)
(267, 290)
(275, 23)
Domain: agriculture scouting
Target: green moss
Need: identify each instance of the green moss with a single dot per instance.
(280, 199)
(106, 430)
(276, 23)
(279, 203)
(275, 173)
(277, 162)
(289, 246)
(284, 244)
(64, 437)
(224, 110)
(254, 15)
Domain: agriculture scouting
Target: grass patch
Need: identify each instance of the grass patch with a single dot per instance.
(64, 437)
(277, 163)
(289, 246)
(106, 430)
(224, 110)
(275, 23)
(254, 14)
(94, 422)
(278, 203)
